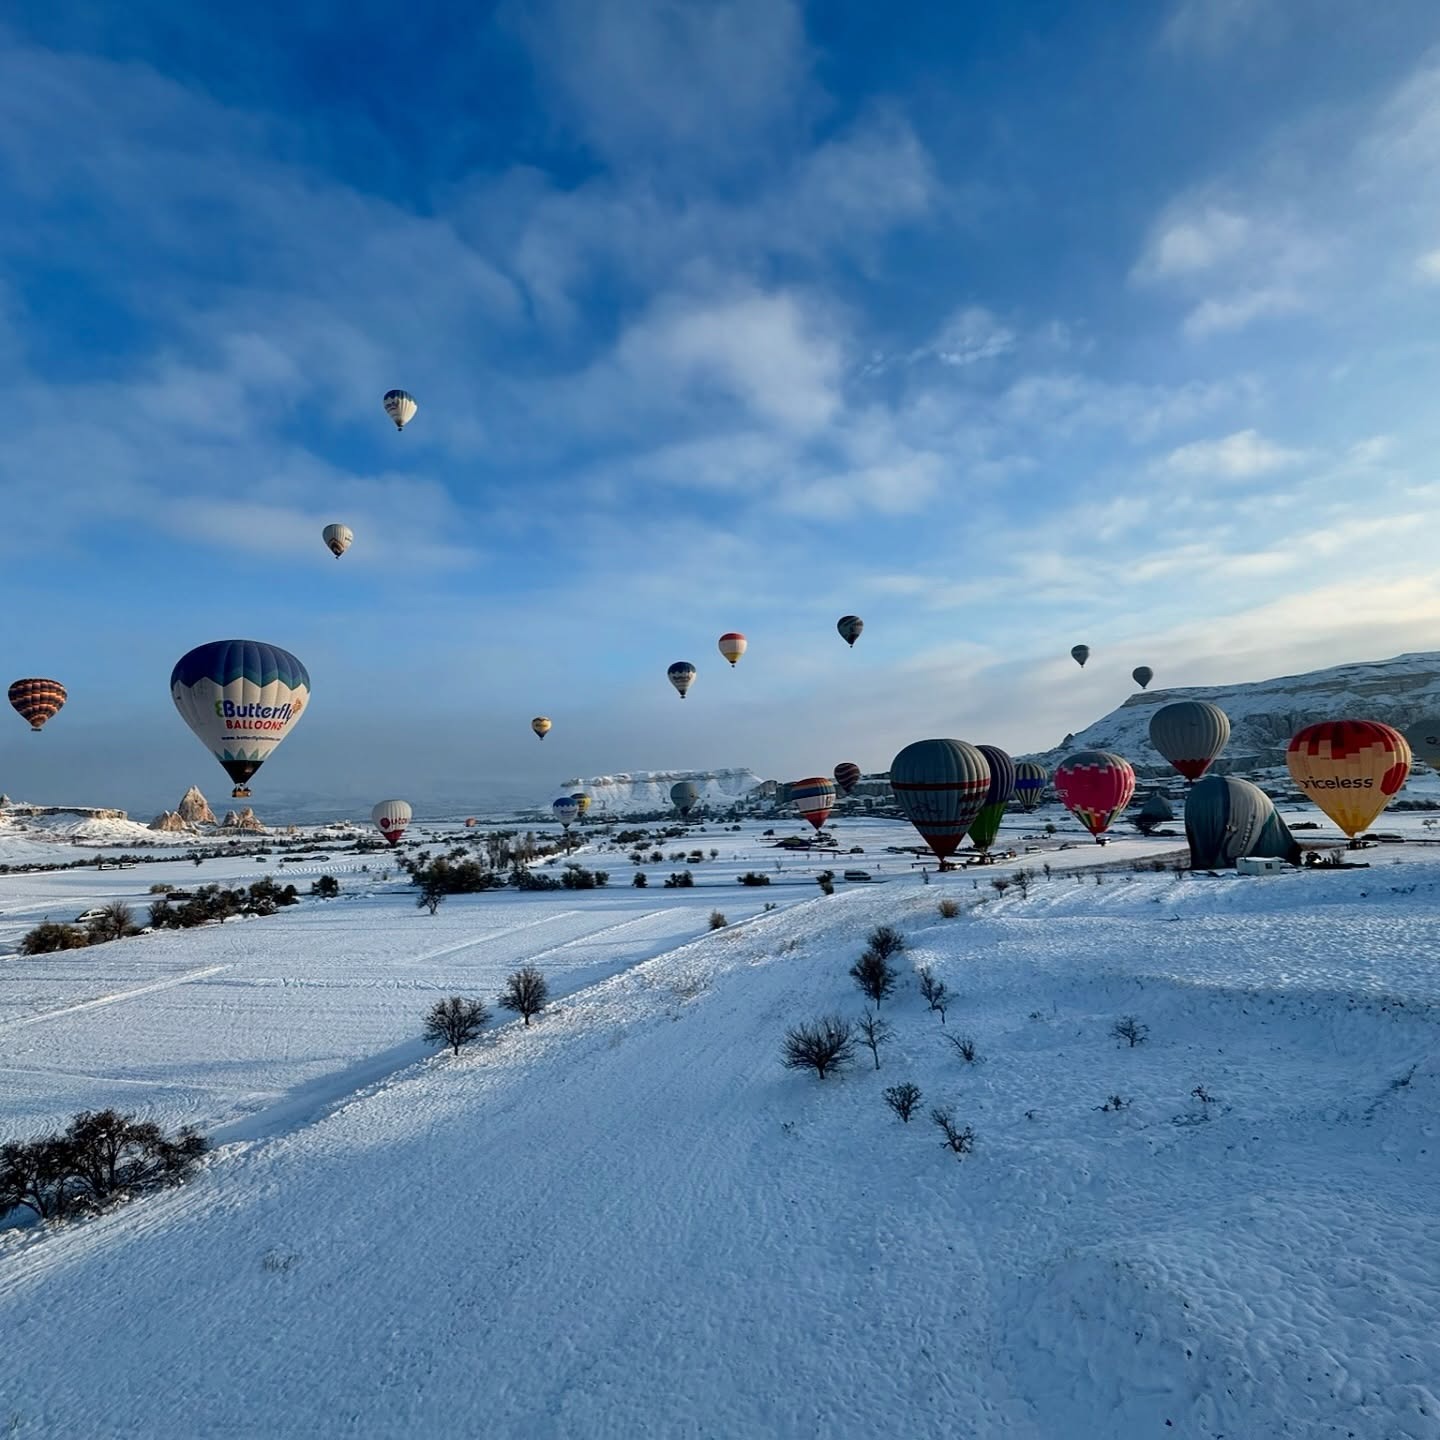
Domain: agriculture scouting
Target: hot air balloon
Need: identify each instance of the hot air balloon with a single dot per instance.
(1080, 654)
(1349, 768)
(36, 700)
(1156, 808)
(469, 822)
(541, 726)
(850, 627)
(339, 538)
(986, 824)
(733, 645)
(241, 698)
(565, 809)
(1094, 786)
(582, 800)
(847, 776)
(391, 817)
(940, 785)
(1190, 734)
(1142, 675)
(813, 797)
(1424, 741)
(682, 676)
(1227, 817)
(684, 796)
(1031, 781)
(400, 407)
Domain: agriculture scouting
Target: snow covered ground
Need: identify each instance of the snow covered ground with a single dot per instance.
(630, 1220)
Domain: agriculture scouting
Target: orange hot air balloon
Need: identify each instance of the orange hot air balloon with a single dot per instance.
(733, 645)
(1094, 786)
(1350, 768)
(813, 798)
(37, 700)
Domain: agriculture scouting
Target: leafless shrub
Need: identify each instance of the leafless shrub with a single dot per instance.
(823, 1045)
(872, 1031)
(965, 1047)
(903, 1099)
(874, 975)
(717, 920)
(455, 1021)
(933, 990)
(1114, 1102)
(885, 941)
(961, 1141)
(1130, 1030)
(948, 908)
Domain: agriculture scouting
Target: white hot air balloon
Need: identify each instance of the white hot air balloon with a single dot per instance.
(391, 817)
(400, 406)
(339, 538)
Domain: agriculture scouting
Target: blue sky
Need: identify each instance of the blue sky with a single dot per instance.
(1004, 327)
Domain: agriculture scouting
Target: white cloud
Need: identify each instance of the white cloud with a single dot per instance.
(1210, 27)
(1242, 456)
(1427, 266)
(1220, 314)
(1186, 244)
(969, 336)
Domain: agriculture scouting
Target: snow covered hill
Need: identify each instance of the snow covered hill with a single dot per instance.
(1266, 713)
(637, 792)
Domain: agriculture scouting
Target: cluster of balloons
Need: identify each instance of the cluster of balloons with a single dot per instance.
(1142, 675)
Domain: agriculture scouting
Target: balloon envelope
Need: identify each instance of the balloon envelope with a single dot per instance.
(541, 726)
(400, 407)
(391, 817)
(1423, 738)
(1190, 734)
(733, 645)
(582, 802)
(339, 538)
(1031, 782)
(847, 776)
(940, 785)
(684, 794)
(1080, 654)
(986, 825)
(1227, 817)
(813, 798)
(1094, 786)
(565, 809)
(241, 698)
(1349, 768)
(850, 627)
(36, 700)
(1142, 675)
(682, 676)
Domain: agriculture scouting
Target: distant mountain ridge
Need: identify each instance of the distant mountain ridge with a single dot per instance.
(1266, 713)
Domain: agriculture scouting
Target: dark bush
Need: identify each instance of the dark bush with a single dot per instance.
(753, 877)
(903, 1099)
(640, 880)
(822, 1046)
(1130, 1030)
(949, 909)
(826, 881)
(327, 887)
(522, 877)
(683, 881)
(962, 1142)
(455, 1021)
(50, 935)
(717, 920)
(874, 975)
(577, 877)
(885, 941)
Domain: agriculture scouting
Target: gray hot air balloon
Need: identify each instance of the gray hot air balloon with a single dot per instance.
(683, 796)
(1080, 654)
(1424, 738)
(986, 825)
(1190, 734)
(1142, 675)
(1156, 808)
(850, 627)
(940, 785)
(1227, 817)
(1031, 781)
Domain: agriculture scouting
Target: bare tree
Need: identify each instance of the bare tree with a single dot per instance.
(1129, 1029)
(526, 992)
(824, 1045)
(961, 1141)
(965, 1047)
(885, 941)
(456, 1021)
(874, 975)
(432, 893)
(903, 1099)
(872, 1031)
(114, 922)
(36, 1174)
(933, 990)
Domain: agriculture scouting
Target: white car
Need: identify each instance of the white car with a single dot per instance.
(94, 913)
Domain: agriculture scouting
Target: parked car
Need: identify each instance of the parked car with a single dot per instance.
(93, 913)
(858, 875)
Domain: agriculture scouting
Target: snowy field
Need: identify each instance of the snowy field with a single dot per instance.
(630, 1220)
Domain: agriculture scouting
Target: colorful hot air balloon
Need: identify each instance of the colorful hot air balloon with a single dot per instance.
(1080, 654)
(582, 801)
(986, 824)
(1094, 786)
(339, 538)
(400, 407)
(1227, 817)
(1423, 738)
(850, 627)
(36, 700)
(565, 810)
(733, 645)
(1190, 734)
(1349, 768)
(847, 776)
(541, 726)
(1031, 781)
(241, 698)
(391, 817)
(940, 785)
(684, 796)
(813, 797)
(1142, 675)
(682, 676)
(469, 822)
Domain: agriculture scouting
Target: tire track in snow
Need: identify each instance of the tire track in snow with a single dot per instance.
(117, 997)
(487, 936)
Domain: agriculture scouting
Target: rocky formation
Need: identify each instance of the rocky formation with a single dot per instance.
(241, 820)
(172, 823)
(648, 791)
(194, 809)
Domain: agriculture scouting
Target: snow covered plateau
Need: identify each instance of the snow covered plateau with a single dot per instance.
(630, 1220)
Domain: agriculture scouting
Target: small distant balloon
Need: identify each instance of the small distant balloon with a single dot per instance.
(400, 406)
(850, 627)
(565, 810)
(733, 645)
(391, 817)
(684, 796)
(582, 802)
(682, 676)
(1080, 654)
(36, 700)
(541, 726)
(847, 776)
(1142, 675)
(339, 538)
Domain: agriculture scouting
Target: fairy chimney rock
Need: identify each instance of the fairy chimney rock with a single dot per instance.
(195, 809)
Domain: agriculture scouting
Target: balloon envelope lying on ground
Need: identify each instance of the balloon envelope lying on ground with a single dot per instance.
(1190, 734)
(940, 785)
(1350, 768)
(1227, 818)
(1094, 786)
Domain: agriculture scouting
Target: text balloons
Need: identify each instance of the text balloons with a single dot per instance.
(1190, 734)
(339, 538)
(36, 700)
(400, 407)
(1349, 768)
(813, 797)
(1094, 786)
(940, 785)
(565, 810)
(682, 676)
(391, 817)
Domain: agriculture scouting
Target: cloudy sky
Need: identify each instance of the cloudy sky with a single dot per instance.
(1005, 327)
